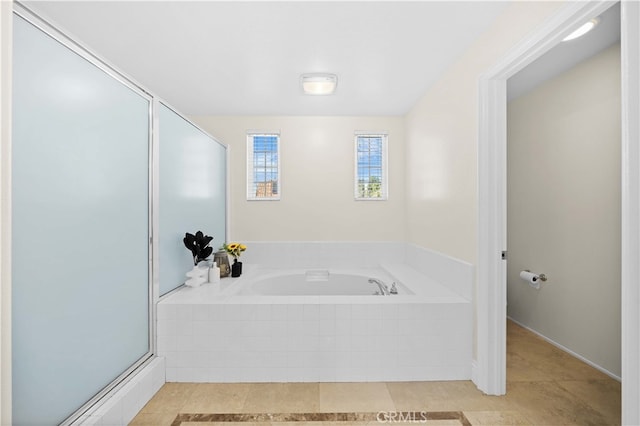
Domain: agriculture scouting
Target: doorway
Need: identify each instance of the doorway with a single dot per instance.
(563, 195)
(490, 371)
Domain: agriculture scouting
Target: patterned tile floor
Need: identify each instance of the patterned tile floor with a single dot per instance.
(323, 419)
(545, 386)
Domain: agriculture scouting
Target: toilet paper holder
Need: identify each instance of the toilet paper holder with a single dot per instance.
(541, 277)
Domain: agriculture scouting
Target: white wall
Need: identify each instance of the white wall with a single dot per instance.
(317, 200)
(441, 139)
(6, 17)
(564, 208)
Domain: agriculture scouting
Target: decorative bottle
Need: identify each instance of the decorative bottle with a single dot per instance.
(214, 273)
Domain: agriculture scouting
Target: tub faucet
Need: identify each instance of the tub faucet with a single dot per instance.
(384, 290)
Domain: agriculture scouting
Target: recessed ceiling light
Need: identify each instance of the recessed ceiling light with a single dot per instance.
(318, 83)
(583, 29)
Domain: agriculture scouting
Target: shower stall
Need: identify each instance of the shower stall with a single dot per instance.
(91, 223)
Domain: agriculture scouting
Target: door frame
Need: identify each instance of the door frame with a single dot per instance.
(490, 367)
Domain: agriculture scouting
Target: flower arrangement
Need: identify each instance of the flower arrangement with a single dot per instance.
(234, 249)
(198, 244)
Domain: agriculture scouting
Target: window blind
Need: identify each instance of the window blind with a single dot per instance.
(371, 164)
(263, 166)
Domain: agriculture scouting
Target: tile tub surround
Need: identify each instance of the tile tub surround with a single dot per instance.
(452, 273)
(209, 334)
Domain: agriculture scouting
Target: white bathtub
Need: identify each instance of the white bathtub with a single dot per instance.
(277, 326)
(320, 282)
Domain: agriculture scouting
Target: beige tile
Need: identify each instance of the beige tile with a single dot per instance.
(496, 418)
(521, 369)
(603, 396)
(319, 423)
(315, 423)
(201, 424)
(153, 419)
(282, 398)
(547, 403)
(217, 398)
(408, 396)
(170, 398)
(533, 358)
(418, 421)
(428, 396)
(563, 366)
(468, 397)
(225, 424)
(442, 396)
(355, 397)
(308, 423)
(452, 422)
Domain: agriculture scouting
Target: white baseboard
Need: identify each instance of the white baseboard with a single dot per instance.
(569, 351)
(474, 371)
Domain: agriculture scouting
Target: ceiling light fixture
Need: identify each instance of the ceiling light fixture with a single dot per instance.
(318, 83)
(583, 29)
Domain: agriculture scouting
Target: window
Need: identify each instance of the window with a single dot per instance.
(371, 166)
(263, 166)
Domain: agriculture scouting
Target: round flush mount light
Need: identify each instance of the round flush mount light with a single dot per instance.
(583, 29)
(318, 83)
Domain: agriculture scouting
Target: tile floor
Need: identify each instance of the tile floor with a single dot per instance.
(545, 386)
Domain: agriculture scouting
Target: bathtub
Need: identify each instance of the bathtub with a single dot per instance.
(320, 282)
(309, 325)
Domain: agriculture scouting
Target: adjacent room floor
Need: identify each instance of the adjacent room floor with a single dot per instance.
(545, 386)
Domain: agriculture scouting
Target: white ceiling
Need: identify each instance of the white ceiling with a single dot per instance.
(245, 58)
(567, 54)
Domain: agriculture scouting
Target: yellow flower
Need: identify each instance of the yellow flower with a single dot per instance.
(234, 249)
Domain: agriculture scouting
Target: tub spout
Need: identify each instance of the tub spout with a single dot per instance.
(384, 290)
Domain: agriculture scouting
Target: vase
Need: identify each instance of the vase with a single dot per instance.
(236, 268)
(198, 275)
(222, 260)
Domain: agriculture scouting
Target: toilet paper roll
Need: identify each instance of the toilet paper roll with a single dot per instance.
(531, 278)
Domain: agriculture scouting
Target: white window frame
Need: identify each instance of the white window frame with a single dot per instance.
(251, 196)
(385, 172)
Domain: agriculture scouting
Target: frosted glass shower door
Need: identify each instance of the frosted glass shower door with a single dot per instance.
(80, 228)
(192, 193)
